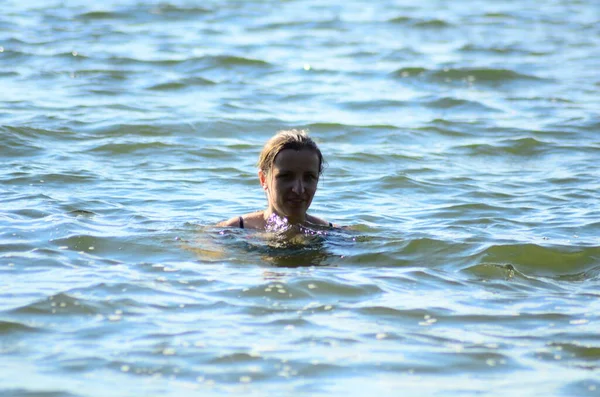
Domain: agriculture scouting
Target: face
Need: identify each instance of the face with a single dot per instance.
(291, 183)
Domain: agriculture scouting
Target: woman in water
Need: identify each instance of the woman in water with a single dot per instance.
(289, 168)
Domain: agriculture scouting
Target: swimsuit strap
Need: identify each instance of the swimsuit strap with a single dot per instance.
(241, 222)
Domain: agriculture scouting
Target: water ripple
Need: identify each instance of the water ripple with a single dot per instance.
(462, 151)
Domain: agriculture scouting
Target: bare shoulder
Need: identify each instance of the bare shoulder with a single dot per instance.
(317, 221)
(235, 221)
(253, 220)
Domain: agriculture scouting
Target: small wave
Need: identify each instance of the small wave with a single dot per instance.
(485, 75)
(81, 176)
(124, 60)
(300, 25)
(75, 55)
(526, 146)
(182, 84)
(467, 75)
(17, 142)
(82, 213)
(362, 158)
(274, 290)
(420, 23)
(169, 9)
(311, 370)
(132, 147)
(532, 259)
(235, 358)
(98, 15)
(231, 60)
(349, 127)
(542, 99)
(514, 50)
(432, 23)
(497, 15)
(590, 274)
(459, 104)
(80, 242)
(400, 19)
(403, 181)
(35, 392)
(444, 129)
(493, 271)
(410, 71)
(30, 134)
(162, 10)
(194, 64)
(136, 130)
(332, 288)
(8, 74)
(9, 327)
(104, 74)
(15, 56)
(579, 350)
(409, 315)
(61, 303)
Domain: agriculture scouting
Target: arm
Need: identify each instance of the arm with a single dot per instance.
(233, 222)
(318, 221)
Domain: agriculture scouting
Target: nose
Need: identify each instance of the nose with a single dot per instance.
(298, 186)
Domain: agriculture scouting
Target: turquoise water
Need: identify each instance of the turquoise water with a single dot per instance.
(463, 149)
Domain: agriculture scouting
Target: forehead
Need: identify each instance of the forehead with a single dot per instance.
(297, 160)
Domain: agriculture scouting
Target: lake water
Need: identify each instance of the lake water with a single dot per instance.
(463, 149)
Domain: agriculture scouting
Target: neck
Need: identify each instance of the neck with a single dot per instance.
(270, 213)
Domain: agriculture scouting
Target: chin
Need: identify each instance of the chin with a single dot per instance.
(295, 214)
(296, 209)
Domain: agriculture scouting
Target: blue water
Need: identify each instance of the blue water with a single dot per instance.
(463, 150)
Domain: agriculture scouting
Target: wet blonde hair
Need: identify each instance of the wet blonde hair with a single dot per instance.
(287, 139)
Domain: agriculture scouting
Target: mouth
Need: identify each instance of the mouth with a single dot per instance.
(296, 201)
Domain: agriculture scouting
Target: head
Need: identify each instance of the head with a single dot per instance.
(290, 165)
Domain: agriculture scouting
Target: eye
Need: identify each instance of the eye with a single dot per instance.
(310, 177)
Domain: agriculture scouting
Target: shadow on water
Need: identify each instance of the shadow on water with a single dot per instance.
(289, 248)
(307, 248)
(349, 247)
